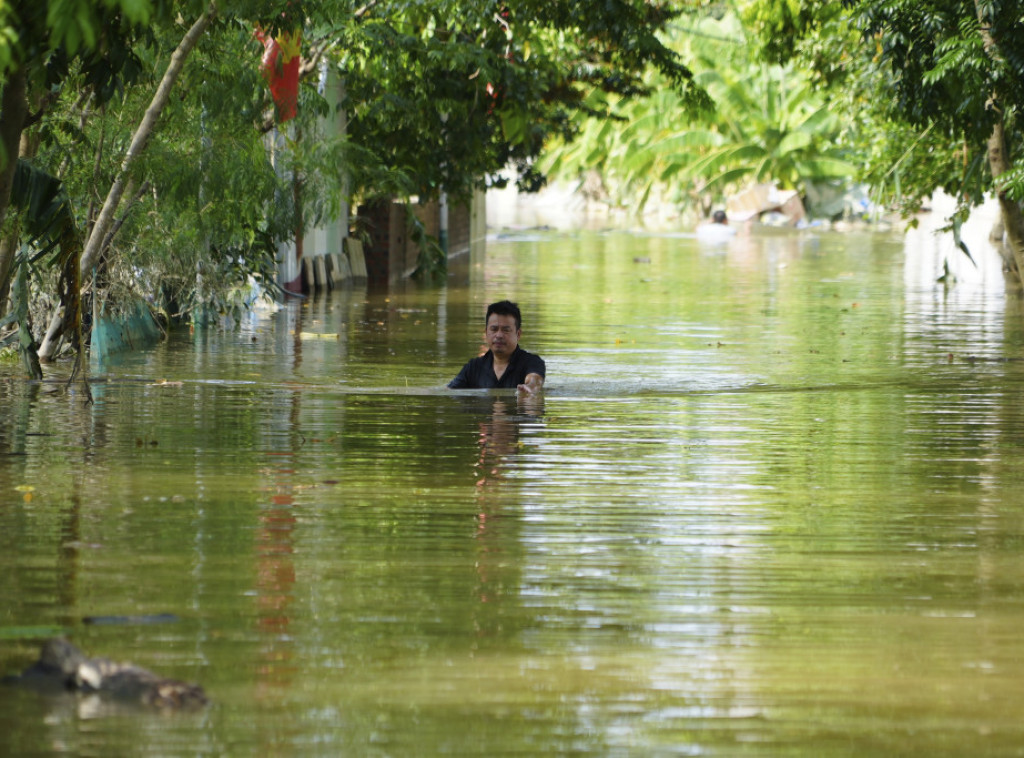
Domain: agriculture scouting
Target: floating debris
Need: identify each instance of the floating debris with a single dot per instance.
(62, 666)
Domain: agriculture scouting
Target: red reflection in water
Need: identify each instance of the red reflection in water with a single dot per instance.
(275, 585)
(275, 577)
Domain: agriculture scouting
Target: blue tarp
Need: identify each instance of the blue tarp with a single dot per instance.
(129, 332)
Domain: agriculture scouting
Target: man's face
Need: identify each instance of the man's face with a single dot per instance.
(501, 335)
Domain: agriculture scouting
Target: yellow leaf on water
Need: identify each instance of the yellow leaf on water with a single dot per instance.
(25, 488)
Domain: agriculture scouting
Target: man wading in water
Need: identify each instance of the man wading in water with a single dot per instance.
(505, 364)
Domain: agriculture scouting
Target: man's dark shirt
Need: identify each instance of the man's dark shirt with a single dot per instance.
(478, 373)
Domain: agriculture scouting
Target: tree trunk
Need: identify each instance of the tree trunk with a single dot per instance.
(141, 136)
(998, 163)
(1013, 218)
(13, 112)
(94, 245)
(8, 249)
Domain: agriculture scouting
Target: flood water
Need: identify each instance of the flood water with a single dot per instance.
(770, 504)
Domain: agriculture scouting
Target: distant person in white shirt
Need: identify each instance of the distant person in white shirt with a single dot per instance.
(718, 230)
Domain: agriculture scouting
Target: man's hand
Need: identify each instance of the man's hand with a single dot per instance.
(533, 384)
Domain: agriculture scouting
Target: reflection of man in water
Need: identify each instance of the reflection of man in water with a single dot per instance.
(505, 364)
(498, 438)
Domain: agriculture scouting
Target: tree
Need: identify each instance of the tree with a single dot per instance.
(41, 44)
(942, 82)
(769, 124)
(442, 94)
(107, 44)
(448, 94)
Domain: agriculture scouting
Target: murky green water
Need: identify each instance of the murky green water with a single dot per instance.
(770, 505)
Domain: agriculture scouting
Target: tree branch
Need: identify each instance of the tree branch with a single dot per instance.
(360, 12)
(94, 245)
(141, 136)
(143, 189)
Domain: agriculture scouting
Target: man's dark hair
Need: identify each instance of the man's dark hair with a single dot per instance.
(505, 308)
(719, 217)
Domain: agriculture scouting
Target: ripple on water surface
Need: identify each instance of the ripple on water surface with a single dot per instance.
(768, 505)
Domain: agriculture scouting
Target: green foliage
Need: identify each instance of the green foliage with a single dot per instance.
(50, 39)
(449, 94)
(20, 314)
(440, 95)
(44, 206)
(778, 25)
(47, 223)
(923, 84)
(769, 124)
(8, 38)
(75, 25)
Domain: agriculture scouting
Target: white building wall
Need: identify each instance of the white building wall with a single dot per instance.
(329, 236)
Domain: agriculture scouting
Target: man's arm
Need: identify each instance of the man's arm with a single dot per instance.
(533, 384)
(462, 380)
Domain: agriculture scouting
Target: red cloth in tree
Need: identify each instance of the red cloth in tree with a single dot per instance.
(280, 67)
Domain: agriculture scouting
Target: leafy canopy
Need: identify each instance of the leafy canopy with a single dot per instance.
(450, 93)
(926, 83)
(768, 124)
